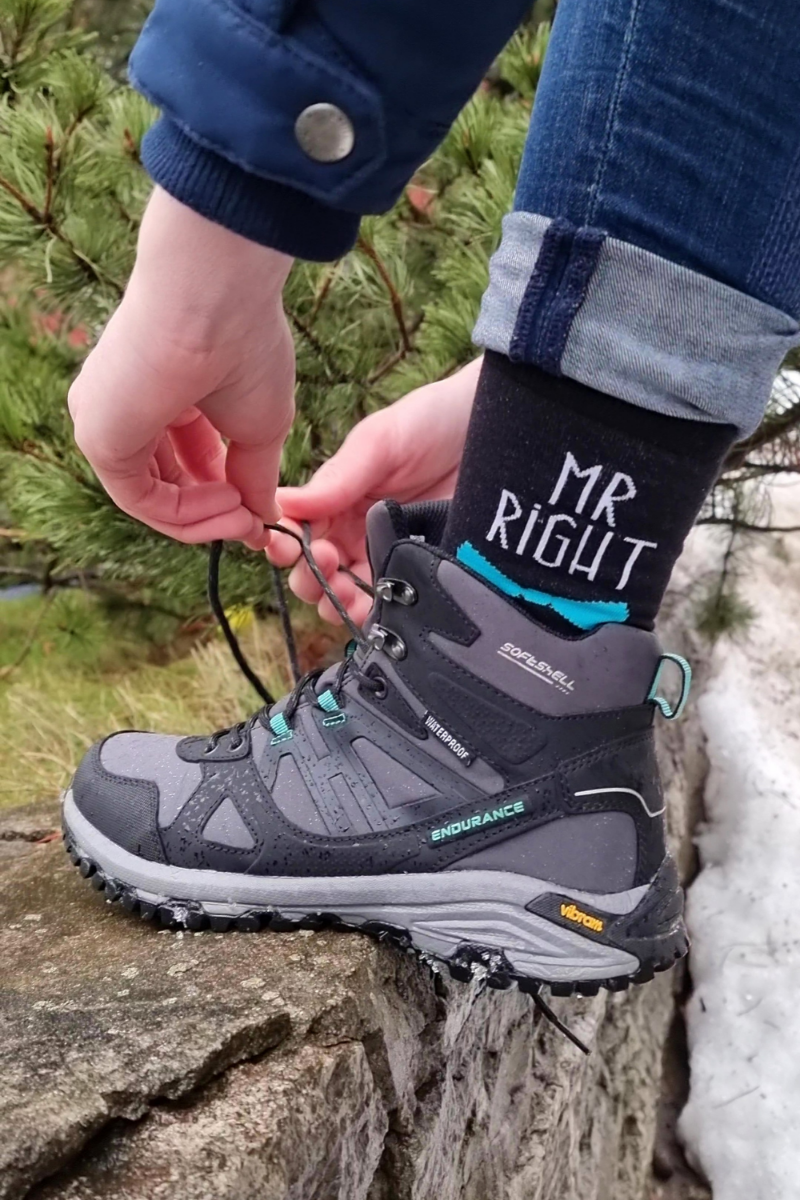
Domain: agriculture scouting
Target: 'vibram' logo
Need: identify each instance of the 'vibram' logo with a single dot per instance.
(573, 913)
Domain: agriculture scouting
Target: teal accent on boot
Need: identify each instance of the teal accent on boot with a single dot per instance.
(280, 727)
(584, 614)
(489, 816)
(669, 710)
(328, 702)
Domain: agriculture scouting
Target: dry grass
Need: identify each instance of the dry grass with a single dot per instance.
(73, 688)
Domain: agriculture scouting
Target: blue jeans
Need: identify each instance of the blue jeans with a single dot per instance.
(654, 249)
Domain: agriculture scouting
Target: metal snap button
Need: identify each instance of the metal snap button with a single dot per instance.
(325, 133)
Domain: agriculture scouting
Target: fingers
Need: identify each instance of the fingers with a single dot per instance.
(198, 446)
(254, 410)
(302, 581)
(284, 551)
(254, 471)
(237, 526)
(355, 471)
(306, 587)
(357, 603)
(201, 321)
(165, 498)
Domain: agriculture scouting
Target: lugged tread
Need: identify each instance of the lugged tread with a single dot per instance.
(497, 971)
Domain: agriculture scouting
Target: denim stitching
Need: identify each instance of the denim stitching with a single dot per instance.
(552, 245)
(568, 298)
(765, 276)
(611, 124)
(554, 294)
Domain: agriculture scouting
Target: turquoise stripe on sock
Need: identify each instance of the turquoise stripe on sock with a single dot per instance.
(585, 614)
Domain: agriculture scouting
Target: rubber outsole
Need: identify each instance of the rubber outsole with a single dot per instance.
(469, 959)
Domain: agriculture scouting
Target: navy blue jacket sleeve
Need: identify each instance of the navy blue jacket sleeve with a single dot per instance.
(231, 78)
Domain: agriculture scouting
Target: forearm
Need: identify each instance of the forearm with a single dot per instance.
(237, 142)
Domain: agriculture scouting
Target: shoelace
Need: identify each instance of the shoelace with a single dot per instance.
(280, 725)
(304, 684)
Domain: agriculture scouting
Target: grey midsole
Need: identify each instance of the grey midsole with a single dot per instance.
(187, 883)
(440, 911)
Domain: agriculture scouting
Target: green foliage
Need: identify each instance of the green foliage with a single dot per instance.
(722, 611)
(396, 312)
(33, 33)
(88, 668)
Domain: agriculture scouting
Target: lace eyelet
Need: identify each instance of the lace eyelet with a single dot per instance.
(397, 591)
(382, 690)
(390, 643)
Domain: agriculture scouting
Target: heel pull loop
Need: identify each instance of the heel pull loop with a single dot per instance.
(669, 711)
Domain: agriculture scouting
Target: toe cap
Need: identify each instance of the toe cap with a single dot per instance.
(132, 784)
(125, 810)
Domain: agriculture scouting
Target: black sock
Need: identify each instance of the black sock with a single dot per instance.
(573, 501)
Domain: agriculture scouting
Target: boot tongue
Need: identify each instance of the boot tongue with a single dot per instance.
(389, 522)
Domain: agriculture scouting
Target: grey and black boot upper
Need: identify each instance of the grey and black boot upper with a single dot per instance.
(462, 735)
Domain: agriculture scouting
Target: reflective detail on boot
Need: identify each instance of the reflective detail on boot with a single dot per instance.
(594, 851)
(627, 792)
(395, 782)
(226, 827)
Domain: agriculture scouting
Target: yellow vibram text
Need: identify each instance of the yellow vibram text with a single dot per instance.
(573, 913)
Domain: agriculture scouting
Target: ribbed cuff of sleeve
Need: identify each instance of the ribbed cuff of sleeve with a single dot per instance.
(262, 210)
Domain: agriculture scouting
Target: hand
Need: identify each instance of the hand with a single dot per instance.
(408, 451)
(199, 349)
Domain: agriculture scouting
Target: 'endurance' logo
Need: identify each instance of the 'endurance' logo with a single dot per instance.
(514, 808)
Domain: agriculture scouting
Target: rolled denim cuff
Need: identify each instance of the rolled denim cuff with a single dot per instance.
(578, 303)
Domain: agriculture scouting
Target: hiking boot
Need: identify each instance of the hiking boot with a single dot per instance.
(467, 782)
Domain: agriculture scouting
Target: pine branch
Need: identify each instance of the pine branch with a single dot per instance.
(14, 50)
(323, 292)
(768, 431)
(744, 526)
(29, 450)
(46, 221)
(394, 297)
(392, 361)
(758, 470)
(26, 205)
(332, 369)
(50, 174)
(131, 148)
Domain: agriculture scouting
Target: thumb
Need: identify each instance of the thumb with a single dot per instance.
(357, 471)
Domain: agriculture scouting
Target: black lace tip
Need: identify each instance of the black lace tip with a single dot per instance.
(549, 1015)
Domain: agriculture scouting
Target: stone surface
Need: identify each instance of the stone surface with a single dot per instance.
(140, 1065)
(31, 823)
(295, 1065)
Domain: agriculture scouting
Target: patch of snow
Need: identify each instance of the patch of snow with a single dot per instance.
(741, 1126)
